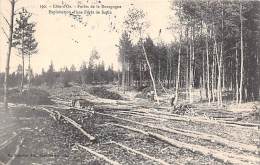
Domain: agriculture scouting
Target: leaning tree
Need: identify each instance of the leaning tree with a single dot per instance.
(136, 25)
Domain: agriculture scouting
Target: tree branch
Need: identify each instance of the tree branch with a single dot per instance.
(6, 21)
(5, 33)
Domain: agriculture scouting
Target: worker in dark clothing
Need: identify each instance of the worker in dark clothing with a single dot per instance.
(172, 100)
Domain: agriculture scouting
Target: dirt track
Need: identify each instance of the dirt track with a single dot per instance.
(125, 134)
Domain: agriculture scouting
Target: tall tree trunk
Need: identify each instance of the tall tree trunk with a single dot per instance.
(223, 72)
(203, 61)
(219, 65)
(212, 79)
(193, 61)
(171, 70)
(242, 56)
(203, 72)
(178, 74)
(237, 88)
(140, 74)
(123, 74)
(29, 74)
(207, 55)
(187, 71)
(151, 74)
(220, 75)
(22, 81)
(159, 70)
(128, 75)
(168, 71)
(6, 80)
(191, 67)
(221, 59)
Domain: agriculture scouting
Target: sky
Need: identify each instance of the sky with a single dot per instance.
(66, 42)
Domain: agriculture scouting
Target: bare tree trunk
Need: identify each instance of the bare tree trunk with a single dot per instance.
(140, 74)
(193, 64)
(242, 56)
(220, 75)
(6, 80)
(167, 72)
(22, 81)
(159, 70)
(221, 59)
(212, 80)
(203, 72)
(178, 74)
(171, 71)
(123, 74)
(207, 55)
(151, 74)
(187, 72)
(219, 65)
(128, 75)
(237, 88)
(191, 67)
(223, 72)
(29, 74)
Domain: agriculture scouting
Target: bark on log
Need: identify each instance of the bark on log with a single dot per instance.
(99, 155)
(140, 153)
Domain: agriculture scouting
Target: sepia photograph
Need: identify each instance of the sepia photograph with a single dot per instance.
(129, 82)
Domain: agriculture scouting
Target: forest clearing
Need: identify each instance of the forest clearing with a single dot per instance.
(128, 131)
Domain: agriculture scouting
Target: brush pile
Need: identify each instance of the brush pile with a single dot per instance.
(102, 92)
(146, 90)
(183, 109)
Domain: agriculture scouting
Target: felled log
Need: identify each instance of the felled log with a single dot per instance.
(99, 155)
(219, 155)
(140, 153)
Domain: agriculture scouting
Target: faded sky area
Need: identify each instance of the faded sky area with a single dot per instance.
(66, 41)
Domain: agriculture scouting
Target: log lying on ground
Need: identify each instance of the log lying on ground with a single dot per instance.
(60, 102)
(140, 153)
(199, 119)
(51, 113)
(189, 118)
(56, 115)
(193, 134)
(8, 141)
(212, 138)
(16, 152)
(99, 155)
(219, 155)
(78, 126)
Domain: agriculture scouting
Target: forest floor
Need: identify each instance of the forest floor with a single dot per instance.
(127, 131)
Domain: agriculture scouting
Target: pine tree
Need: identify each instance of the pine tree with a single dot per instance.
(23, 38)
